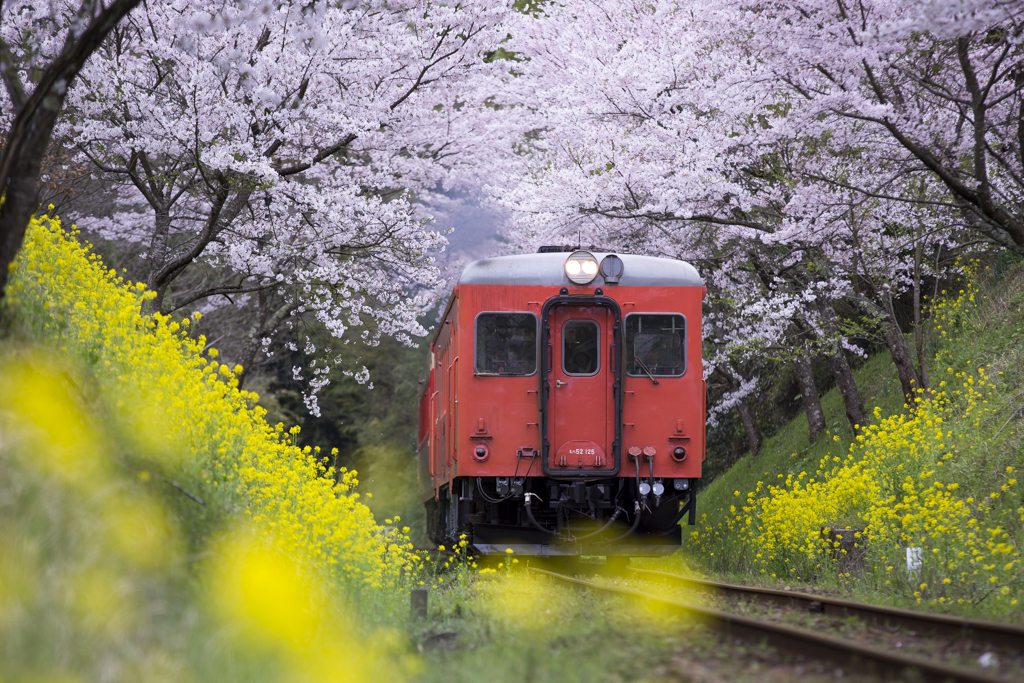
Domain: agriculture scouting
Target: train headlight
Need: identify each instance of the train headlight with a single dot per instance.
(581, 267)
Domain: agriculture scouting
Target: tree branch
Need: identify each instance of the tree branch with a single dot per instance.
(299, 168)
(9, 72)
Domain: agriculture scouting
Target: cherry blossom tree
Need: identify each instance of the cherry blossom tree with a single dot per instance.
(939, 83)
(684, 129)
(284, 160)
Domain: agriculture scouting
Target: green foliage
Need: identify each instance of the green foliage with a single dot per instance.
(387, 473)
(372, 425)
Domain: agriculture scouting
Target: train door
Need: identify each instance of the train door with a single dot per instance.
(581, 394)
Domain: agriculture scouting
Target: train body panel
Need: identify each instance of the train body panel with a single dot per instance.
(547, 399)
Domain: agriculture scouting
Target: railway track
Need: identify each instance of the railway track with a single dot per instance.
(860, 657)
(992, 633)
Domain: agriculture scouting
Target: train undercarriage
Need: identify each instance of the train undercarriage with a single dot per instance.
(547, 517)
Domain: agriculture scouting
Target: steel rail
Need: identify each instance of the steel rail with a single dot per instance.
(800, 641)
(988, 632)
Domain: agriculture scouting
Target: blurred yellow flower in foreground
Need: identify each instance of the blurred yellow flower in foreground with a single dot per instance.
(259, 588)
(273, 602)
(36, 399)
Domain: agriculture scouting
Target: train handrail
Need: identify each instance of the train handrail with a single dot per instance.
(455, 409)
(448, 441)
(433, 434)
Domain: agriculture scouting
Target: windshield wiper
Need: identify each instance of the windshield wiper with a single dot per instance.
(643, 366)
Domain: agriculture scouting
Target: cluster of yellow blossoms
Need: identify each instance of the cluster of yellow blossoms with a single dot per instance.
(175, 401)
(902, 485)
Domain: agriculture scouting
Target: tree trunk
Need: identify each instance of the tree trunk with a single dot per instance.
(252, 343)
(222, 213)
(21, 197)
(735, 381)
(897, 344)
(266, 322)
(855, 411)
(809, 395)
(918, 322)
(157, 255)
(749, 426)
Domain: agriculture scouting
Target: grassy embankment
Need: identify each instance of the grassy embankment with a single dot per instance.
(942, 478)
(153, 526)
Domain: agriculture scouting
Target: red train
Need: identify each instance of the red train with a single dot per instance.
(564, 409)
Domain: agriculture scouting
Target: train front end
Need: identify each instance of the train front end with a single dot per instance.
(563, 413)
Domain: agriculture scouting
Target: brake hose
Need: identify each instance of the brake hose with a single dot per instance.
(483, 493)
(637, 461)
(529, 515)
(615, 515)
(636, 523)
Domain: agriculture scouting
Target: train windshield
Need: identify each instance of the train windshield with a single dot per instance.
(580, 347)
(506, 344)
(655, 345)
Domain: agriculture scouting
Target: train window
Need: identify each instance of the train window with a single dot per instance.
(580, 347)
(655, 344)
(506, 344)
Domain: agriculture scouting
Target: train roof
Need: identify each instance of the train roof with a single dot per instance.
(548, 269)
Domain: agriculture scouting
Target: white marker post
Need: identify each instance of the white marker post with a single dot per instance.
(915, 558)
